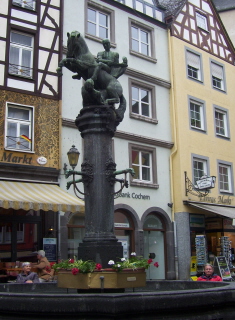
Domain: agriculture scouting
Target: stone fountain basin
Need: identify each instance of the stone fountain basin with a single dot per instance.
(158, 300)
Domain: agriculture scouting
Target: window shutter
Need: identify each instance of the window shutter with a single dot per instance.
(193, 60)
(217, 71)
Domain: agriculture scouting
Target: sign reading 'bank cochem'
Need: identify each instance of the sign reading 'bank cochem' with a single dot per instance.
(133, 195)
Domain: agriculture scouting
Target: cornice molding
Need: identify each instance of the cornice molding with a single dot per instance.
(148, 78)
(128, 136)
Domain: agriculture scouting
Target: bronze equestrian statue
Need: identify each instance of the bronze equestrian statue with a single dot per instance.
(101, 85)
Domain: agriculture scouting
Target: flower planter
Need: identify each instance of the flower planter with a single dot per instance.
(111, 280)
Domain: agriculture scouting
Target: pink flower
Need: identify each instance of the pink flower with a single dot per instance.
(156, 264)
(71, 260)
(98, 266)
(150, 261)
(75, 271)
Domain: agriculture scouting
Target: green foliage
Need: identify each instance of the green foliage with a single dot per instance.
(82, 266)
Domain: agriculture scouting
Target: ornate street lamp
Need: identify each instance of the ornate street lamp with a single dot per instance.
(73, 156)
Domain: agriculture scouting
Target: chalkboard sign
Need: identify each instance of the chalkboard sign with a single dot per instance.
(49, 246)
(221, 268)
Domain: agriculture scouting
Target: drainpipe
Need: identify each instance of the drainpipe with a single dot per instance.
(174, 135)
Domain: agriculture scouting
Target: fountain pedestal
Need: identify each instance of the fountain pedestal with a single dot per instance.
(97, 125)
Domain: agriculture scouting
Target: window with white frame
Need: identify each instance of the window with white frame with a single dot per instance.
(141, 101)
(140, 40)
(98, 23)
(27, 4)
(147, 7)
(21, 54)
(201, 21)
(193, 65)
(197, 120)
(142, 164)
(225, 178)
(143, 161)
(217, 73)
(199, 169)
(221, 122)
(19, 127)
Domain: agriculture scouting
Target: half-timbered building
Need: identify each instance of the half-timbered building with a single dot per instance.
(202, 103)
(30, 49)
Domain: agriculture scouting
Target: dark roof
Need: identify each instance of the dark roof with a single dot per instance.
(224, 5)
(173, 7)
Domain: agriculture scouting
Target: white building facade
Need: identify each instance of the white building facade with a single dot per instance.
(143, 139)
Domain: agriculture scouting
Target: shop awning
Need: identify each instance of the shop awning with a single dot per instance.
(226, 211)
(36, 196)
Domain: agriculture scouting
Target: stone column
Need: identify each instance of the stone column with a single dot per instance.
(97, 125)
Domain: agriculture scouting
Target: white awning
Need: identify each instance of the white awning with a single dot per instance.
(226, 211)
(36, 196)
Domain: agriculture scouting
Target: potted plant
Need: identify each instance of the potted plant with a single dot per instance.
(81, 274)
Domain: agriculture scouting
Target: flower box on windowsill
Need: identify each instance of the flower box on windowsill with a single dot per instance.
(111, 279)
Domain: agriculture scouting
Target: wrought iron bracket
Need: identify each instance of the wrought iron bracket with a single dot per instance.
(111, 174)
(87, 177)
(190, 188)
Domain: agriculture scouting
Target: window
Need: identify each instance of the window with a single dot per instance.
(99, 22)
(142, 41)
(19, 128)
(221, 122)
(225, 177)
(201, 21)
(141, 101)
(27, 4)
(143, 161)
(199, 169)
(21, 54)
(197, 114)
(147, 7)
(217, 72)
(193, 65)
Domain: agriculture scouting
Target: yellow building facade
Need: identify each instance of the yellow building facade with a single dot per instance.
(202, 104)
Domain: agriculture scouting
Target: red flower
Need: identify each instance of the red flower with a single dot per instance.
(156, 264)
(150, 261)
(52, 263)
(75, 271)
(71, 260)
(98, 266)
(48, 269)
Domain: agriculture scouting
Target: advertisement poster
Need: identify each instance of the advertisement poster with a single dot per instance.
(193, 268)
(50, 248)
(221, 268)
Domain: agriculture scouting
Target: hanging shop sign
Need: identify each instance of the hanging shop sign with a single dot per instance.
(206, 183)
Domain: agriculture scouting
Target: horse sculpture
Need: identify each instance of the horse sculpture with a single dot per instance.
(100, 86)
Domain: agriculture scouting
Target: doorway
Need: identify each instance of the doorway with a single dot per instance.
(154, 246)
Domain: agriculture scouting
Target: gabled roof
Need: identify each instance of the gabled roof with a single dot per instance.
(181, 18)
(173, 7)
(224, 5)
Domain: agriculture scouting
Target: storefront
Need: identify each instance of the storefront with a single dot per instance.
(212, 232)
(152, 236)
(27, 210)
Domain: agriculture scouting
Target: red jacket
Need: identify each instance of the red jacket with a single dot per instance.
(214, 277)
